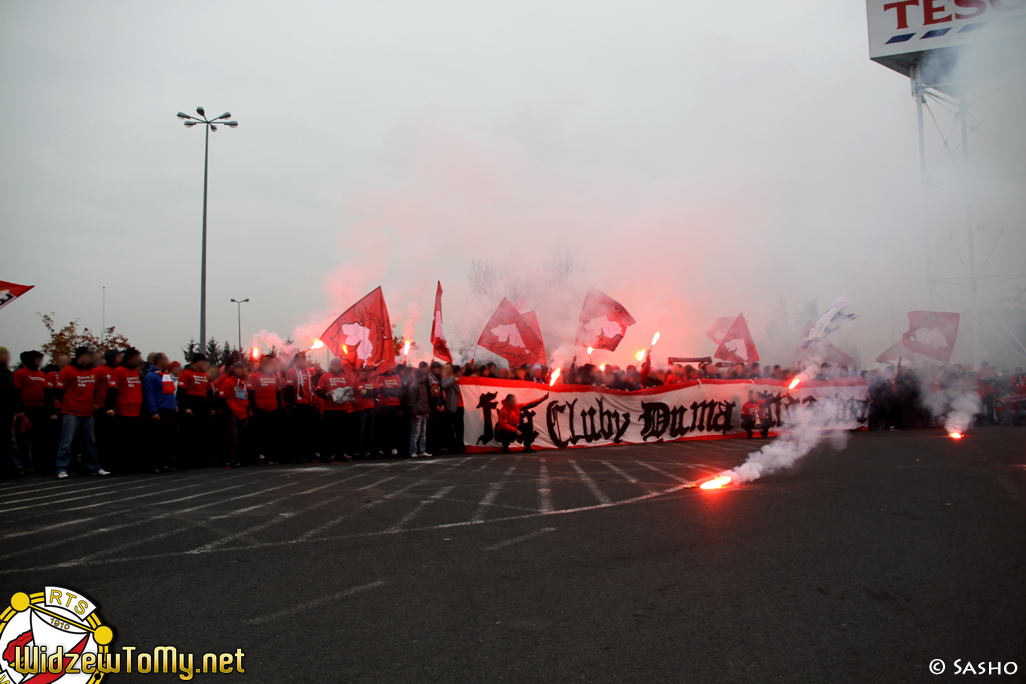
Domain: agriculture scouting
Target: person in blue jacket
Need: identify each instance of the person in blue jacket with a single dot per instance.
(160, 404)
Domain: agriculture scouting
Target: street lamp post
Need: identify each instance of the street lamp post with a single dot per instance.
(210, 125)
(240, 302)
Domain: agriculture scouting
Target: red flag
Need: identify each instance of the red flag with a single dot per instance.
(604, 321)
(931, 333)
(532, 323)
(11, 291)
(362, 335)
(896, 351)
(438, 342)
(510, 335)
(719, 329)
(737, 344)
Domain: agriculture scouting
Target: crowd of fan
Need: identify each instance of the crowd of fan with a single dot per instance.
(129, 414)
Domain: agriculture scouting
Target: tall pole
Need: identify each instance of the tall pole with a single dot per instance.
(918, 90)
(203, 264)
(239, 304)
(963, 114)
(103, 322)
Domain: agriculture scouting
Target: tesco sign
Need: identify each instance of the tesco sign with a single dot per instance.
(908, 26)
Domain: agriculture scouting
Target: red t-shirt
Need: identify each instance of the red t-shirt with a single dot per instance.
(194, 383)
(265, 387)
(234, 391)
(362, 403)
(51, 383)
(79, 385)
(32, 384)
(329, 382)
(672, 379)
(129, 388)
(103, 374)
(302, 380)
(392, 382)
(751, 409)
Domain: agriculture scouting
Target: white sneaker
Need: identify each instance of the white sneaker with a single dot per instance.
(395, 452)
(414, 455)
(424, 454)
(101, 471)
(61, 474)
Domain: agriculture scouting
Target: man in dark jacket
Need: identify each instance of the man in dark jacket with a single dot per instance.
(419, 407)
(10, 404)
(161, 406)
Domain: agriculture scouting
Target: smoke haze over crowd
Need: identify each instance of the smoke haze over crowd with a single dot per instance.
(693, 161)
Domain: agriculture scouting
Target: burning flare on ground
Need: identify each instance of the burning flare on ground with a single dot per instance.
(716, 482)
(955, 435)
(555, 376)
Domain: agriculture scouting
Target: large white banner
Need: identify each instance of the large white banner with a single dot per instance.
(580, 416)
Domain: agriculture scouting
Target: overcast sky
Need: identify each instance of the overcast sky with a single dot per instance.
(694, 160)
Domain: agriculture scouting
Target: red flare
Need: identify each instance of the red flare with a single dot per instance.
(794, 383)
(955, 435)
(255, 353)
(716, 482)
(317, 344)
(555, 376)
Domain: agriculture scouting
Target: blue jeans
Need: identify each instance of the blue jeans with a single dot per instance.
(418, 434)
(71, 426)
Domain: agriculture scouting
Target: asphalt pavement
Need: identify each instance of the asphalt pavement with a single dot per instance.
(595, 565)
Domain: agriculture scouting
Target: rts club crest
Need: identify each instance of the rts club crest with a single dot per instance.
(54, 632)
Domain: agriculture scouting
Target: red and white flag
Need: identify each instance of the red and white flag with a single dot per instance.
(896, 352)
(511, 336)
(737, 344)
(532, 323)
(820, 350)
(932, 334)
(362, 335)
(438, 343)
(603, 323)
(11, 291)
(719, 329)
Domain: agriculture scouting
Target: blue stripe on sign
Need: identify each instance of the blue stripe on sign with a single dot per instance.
(1013, 20)
(973, 27)
(900, 39)
(936, 33)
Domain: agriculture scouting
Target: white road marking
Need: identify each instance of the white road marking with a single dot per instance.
(486, 464)
(440, 494)
(629, 478)
(300, 607)
(662, 472)
(544, 488)
(86, 489)
(592, 485)
(493, 492)
(517, 540)
(370, 504)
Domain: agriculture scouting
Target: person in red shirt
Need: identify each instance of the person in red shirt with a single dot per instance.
(104, 444)
(123, 404)
(507, 429)
(336, 396)
(31, 385)
(233, 398)
(675, 376)
(753, 415)
(365, 395)
(387, 413)
(265, 405)
(299, 397)
(196, 405)
(76, 390)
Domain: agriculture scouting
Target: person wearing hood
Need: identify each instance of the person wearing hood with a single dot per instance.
(31, 384)
(161, 408)
(76, 390)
